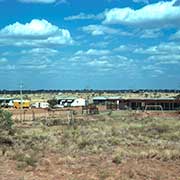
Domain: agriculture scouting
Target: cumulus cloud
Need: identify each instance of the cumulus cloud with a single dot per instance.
(32, 63)
(35, 28)
(176, 35)
(166, 59)
(8, 68)
(3, 60)
(38, 1)
(164, 53)
(96, 30)
(40, 52)
(36, 33)
(123, 48)
(152, 15)
(150, 33)
(161, 49)
(83, 16)
(141, 1)
(101, 63)
(62, 2)
(93, 52)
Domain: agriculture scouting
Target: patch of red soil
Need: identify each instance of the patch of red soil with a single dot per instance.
(94, 167)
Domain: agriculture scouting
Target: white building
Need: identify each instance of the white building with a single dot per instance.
(71, 102)
(79, 102)
(40, 105)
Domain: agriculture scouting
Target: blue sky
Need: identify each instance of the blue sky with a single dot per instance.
(99, 44)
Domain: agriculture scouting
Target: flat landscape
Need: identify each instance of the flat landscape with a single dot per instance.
(34, 97)
(89, 89)
(120, 145)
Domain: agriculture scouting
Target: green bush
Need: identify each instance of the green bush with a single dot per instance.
(83, 143)
(6, 121)
(26, 159)
(52, 102)
(117, 159)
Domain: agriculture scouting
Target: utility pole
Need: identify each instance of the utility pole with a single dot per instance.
(21, 86)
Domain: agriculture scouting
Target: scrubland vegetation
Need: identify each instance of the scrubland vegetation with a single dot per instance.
(112, 145)
(36, 97)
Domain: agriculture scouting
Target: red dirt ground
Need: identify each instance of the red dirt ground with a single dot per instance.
(56, 167)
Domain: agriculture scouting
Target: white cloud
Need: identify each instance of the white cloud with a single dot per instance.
(141, 1)
(150, 33)
(83, 16)
(161, 49)
(101, 44)
(93, 52)
(176, 35)
(100, 63)
(96, 30)
(34, 63)
(35, 28)
(62, 2)
(8, 68)
(166, 59)
(40, 52)
(122, 48)
(36, 33)
(38, 1)
(3, 60)
(152, 15)
(164, 53)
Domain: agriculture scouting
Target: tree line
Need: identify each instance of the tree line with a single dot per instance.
(4, 91)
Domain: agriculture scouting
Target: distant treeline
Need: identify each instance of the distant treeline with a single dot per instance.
(4, 91)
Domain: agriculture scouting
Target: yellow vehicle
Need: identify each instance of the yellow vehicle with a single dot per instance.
(25, 104)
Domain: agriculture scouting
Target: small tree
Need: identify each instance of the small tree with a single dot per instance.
(178, 97)
(5, 130)
(52, 102)
(5, 120)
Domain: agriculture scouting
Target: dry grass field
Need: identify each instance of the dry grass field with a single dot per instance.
(118, 145)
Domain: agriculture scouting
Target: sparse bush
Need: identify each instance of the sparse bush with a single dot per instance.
(114, 131)
(114, 141)
(52, 102)
(117, 159)
(6, 122)
(25, 160)
(83, 143)
(120, 155)
(110, 113)
(103, 174)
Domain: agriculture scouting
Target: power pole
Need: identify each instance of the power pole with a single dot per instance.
(21, 86)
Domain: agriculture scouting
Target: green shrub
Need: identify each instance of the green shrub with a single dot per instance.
(117, 159)
(52, 102)
(83, 143)
(6, 122)
(26, 159)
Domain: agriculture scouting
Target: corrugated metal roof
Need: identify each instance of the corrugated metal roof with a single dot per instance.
(150, 99)
(106, 98)
(100, 98)
(119, 98)
(66, 98)
(2, 98)
(114, 98)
